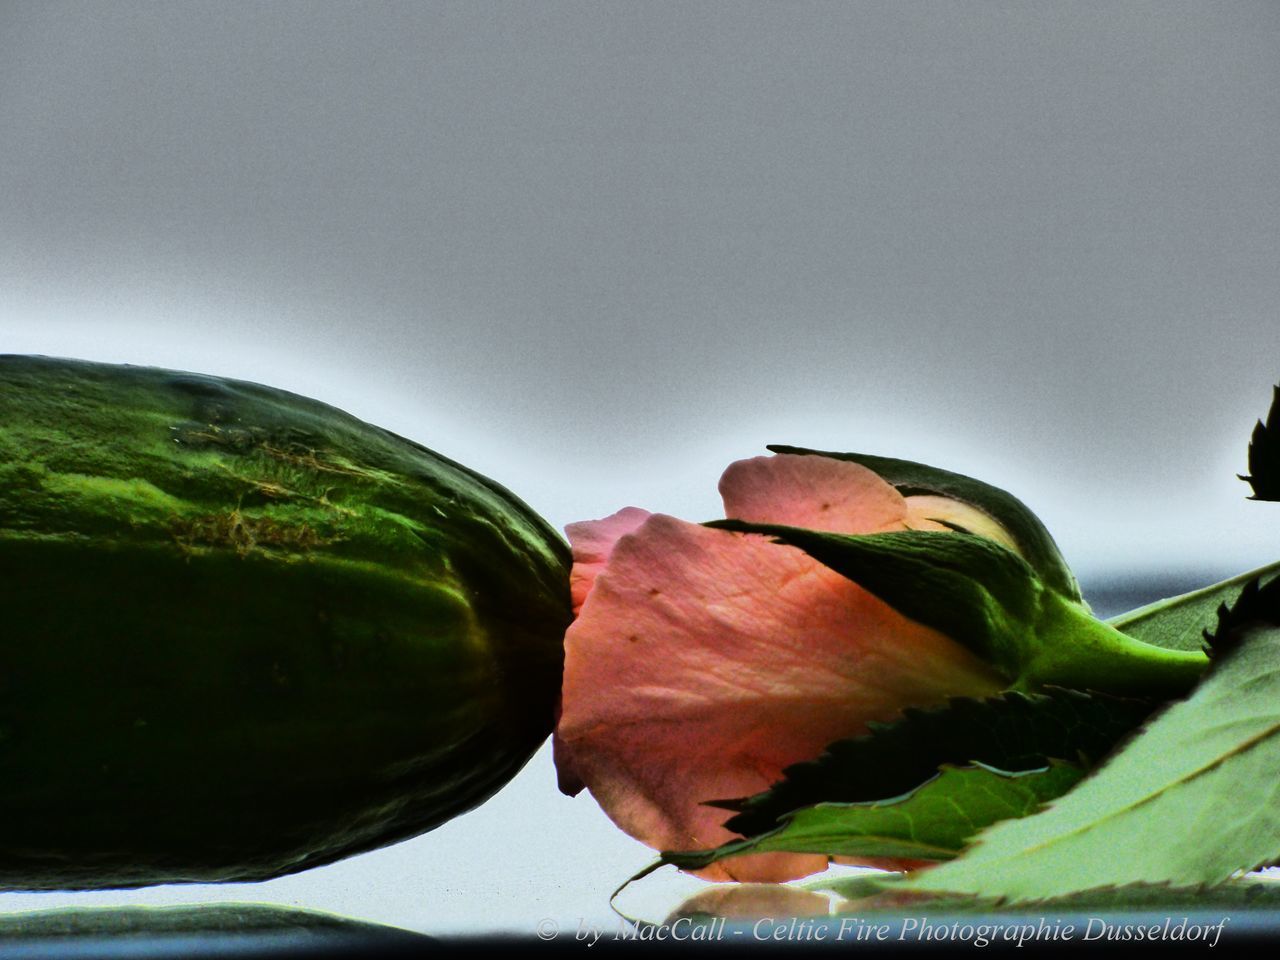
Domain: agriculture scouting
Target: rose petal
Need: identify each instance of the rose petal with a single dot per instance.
(704, 662)
(927, 513)
(820, 493)
(592, 542)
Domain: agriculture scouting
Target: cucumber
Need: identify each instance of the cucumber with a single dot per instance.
(243, 633)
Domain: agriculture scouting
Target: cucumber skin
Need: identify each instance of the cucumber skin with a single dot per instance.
(245, 633)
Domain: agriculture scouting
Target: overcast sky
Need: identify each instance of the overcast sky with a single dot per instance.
(599, 250)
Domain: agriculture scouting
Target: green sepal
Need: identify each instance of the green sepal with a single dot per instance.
(988, 599)
(932, 822)
(1264, 454)
(910, 478)
(1013, 732)
(972, 589)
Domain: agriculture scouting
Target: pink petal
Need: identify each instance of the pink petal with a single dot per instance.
(704, 662)
(811, 491)
(592, 542)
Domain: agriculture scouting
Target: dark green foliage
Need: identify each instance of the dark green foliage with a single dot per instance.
(933, 822)
(1012, 732)
(1256, 605)
(1264, 454)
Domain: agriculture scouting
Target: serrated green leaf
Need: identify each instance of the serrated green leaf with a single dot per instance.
(1264, 454)
(1192, 800)
(1255, 605)
(1025, 527)
(1014, 732)
(1179, 623)
(933, 822)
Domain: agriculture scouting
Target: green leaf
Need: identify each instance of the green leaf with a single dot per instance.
(933, 822)
(1255, 606)
(1013, 732)
(1192, 800)
(1264, 454)
(1179, 623)
(1028, 532)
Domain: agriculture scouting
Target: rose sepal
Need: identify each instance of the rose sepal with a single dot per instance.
(990, 600)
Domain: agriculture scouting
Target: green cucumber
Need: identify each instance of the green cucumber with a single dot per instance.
(243, 633)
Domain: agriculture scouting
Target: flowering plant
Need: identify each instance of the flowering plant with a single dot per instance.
(844, 592)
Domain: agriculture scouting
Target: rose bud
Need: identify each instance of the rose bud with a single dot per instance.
(704, 659)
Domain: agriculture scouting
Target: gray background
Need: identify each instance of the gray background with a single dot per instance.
(599, 250)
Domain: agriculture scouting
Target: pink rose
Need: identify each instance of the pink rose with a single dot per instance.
(702, 662)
